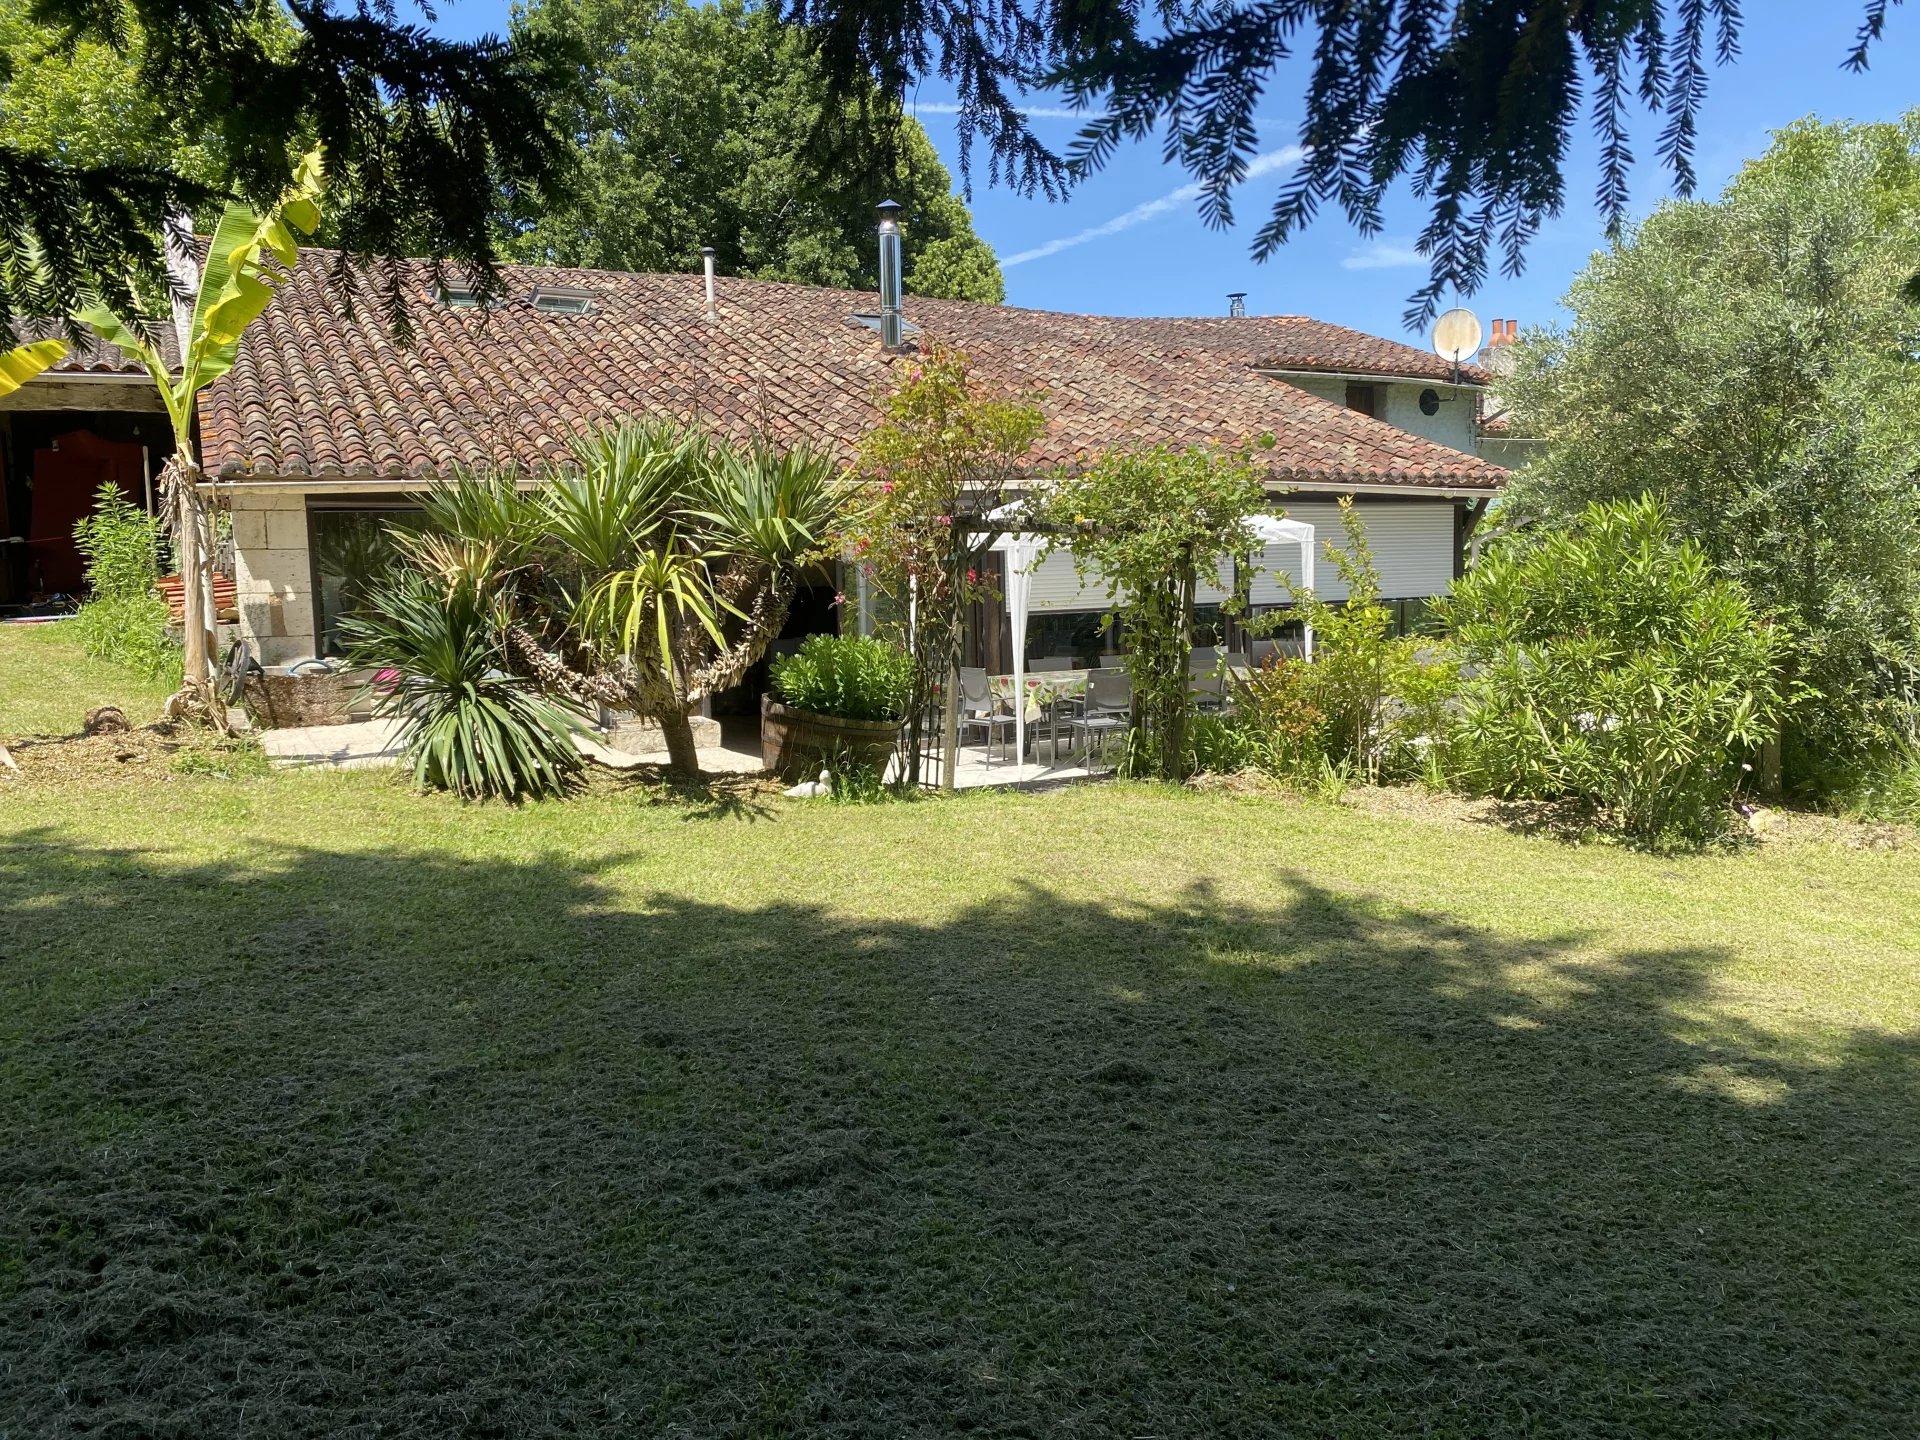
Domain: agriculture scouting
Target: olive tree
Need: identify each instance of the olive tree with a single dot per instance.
(1750, 363)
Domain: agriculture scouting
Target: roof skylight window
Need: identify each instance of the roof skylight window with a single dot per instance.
(563, 300)
(460, 297)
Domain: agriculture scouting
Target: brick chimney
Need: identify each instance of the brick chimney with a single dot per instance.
(1496, 354)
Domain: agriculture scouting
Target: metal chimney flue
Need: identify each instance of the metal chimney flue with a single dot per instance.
(713, 308)
(1237, 304)
(892, 325)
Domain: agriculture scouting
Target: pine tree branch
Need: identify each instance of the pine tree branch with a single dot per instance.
(1471, 105)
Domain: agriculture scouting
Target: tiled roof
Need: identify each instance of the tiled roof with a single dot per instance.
(96, 357)
(1293, 342)
(315, 396)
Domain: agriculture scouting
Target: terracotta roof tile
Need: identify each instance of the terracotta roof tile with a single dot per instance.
(96, 357)
(316, 396)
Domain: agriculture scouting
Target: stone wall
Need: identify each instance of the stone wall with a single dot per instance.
(273, 574)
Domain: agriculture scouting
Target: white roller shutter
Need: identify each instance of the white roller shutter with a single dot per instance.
(1412, 544)
(1056, 586)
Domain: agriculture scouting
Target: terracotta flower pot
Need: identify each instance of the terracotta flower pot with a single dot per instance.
(798, 744)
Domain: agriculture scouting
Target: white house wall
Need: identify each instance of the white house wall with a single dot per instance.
(1412, 544)
(1399, 406)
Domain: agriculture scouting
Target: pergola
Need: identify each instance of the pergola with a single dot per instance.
(1022, 551)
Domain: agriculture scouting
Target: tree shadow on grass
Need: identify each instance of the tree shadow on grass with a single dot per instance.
(411, 1145)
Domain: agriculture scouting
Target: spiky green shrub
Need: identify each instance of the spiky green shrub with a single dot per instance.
(469, 726)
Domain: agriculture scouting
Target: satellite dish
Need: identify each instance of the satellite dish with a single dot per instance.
(1456, 336)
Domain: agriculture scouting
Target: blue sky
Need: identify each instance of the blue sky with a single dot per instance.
(1129, 241)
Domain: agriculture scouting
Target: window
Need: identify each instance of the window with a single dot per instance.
(353, 550)
(1081, 634)
(460, 297)
(1209, 625)
(563, 300)
(1363, 398)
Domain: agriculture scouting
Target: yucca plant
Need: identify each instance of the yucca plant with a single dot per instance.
(683, 556)
(470, 726)
(649, 573)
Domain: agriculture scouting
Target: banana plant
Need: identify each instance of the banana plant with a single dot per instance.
(236, 286)
(21, 364)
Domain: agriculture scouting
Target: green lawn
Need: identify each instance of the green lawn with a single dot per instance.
(334, 1111)
(47, 685)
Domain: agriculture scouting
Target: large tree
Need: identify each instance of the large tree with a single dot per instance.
(422, 135)
(1474, 101)
(1752, 364)
(80, 100)
(688, 121)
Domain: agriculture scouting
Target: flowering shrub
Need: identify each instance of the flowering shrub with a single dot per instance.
(940, 462)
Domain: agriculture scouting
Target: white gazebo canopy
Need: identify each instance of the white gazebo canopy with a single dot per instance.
(1022, 551)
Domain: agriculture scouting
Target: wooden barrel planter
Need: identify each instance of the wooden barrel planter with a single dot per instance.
(798, 744)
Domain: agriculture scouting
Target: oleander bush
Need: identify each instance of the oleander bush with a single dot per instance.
(1610, 667)
(124, 619)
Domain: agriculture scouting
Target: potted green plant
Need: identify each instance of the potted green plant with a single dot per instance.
(839, 697)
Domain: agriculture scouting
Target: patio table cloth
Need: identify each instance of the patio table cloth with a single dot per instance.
(1043, 687)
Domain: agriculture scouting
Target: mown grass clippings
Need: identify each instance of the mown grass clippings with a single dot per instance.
(48, 684)
(1118, 1110)
(330, 1109)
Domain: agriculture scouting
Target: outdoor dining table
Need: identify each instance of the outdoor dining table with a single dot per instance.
(1047, 694)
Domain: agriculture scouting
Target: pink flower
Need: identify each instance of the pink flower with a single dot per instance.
(886, 487)
(973, 577)
(839, 598)
(944, 519)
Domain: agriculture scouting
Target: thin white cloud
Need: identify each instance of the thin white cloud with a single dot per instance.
(1381, 256)
(1267, 164)
(1032, 112)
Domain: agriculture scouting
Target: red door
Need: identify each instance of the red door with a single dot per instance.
(66, 477)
